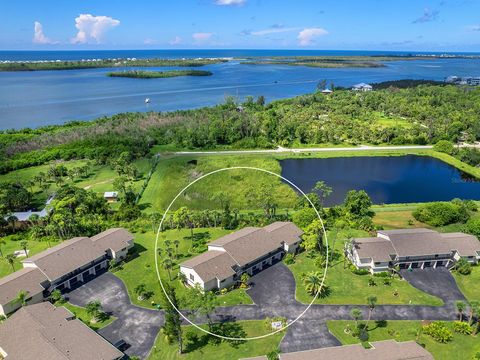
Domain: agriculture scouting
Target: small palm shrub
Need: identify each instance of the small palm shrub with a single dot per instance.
(462, 328)
(438, 331)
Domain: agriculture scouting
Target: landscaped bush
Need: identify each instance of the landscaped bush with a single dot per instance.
(289, 259)
(443, 213)
(382, 274)
(463, 267)
(357, 271)
(438, 331)
(444, 146)
(473, 227)
(462, 328)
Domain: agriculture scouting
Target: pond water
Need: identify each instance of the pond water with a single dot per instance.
(394, 179)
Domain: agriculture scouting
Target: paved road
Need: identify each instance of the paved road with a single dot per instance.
(137, 326)
(273, 292)
(304, 150)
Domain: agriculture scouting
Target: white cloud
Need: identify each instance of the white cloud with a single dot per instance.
(307, 36)
(230, 2)
(149, 41)
(92, 27)
(177, 40)
(474, 27)
(202, 36)
(273, 30)
(38, 35)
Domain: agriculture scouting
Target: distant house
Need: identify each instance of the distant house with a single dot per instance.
(110, 196)
(379, 350)
(64, 266)
(24, 216)
(248, 250)
(412, 248)
(362, 87)
(51, 333)
(327, 91)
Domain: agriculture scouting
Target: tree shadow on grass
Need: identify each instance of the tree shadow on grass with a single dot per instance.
(226, 329)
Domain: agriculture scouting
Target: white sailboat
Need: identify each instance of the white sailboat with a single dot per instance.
(147, 101)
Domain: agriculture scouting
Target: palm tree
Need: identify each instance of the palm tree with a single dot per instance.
(12, 219)
(371, 301)
(324, 190)
(461, 306)
(55, 296)
(168, 265)
(474, 305)
(356, 314)
(94, 309)
(140, 290)
(11, 260)
(2, 243)
(313, 282)
(177, 244)
(22, 297)
(23, 245)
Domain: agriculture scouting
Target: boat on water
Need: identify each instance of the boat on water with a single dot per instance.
(147, 101)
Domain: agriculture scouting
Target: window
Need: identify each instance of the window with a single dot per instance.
(192, 277)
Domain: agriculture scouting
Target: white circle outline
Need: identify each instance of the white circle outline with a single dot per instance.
(160, 227)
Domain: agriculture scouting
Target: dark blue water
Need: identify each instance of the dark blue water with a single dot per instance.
(32, 99)
(402, 179)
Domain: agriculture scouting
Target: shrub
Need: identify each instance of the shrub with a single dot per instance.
(444, 146)
(438, 331)
(382, 274)
(463, 267)
(289, 259)
(462, 328)
(372, 282)
(473, 227)
(357, 271)
(442, 213)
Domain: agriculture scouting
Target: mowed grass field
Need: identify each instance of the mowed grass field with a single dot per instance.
(141, 269)
(100, 178)
(173, 174)
(202, 349)
(349, 288)
(461, 346)
(10, 246)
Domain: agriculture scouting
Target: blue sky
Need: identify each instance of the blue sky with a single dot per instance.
(448, 25)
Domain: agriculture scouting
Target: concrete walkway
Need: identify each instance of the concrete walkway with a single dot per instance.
(280, 150)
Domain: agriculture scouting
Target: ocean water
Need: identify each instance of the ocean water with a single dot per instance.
(33, 99)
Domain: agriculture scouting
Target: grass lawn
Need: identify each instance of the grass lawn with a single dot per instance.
(81, 314)
(175, 173)
(11, 245)
(461, 346)
(99, 180)
(206, 351)
(141, 269)
(469, 284)
(348, 288)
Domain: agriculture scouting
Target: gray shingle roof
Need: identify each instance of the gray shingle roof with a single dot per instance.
(417, 242)
(381, 350)
(243, 247)
(377, 249)
(42, 331)
(28, 279)
(77, 252)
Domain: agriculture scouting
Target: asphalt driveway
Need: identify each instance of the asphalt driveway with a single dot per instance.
(137, 326)
(274, 286)
(438, 282)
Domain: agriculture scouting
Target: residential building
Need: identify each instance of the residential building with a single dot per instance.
(327, 91)
(64, 266)
(362, 87)
(379, 350)
(43, 331)
(412, 248)
(110, 196)
(248, 250)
